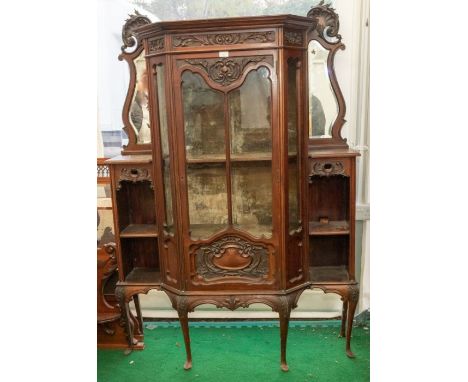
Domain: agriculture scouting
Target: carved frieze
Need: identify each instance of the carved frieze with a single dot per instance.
(155, 45)
(225, 71)
(325, 20)
(134, 175)
(133, 22)
(222, 39)
(328, 168)
(231, 256)
(292, 37)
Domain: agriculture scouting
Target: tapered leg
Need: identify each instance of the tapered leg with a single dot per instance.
(136, 300)
(183, 318)
(343, 318)
(284, 313)
(353, 300)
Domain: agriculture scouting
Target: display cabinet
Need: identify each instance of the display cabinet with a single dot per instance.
(221, 212)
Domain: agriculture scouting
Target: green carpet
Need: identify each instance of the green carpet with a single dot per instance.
(240, 352)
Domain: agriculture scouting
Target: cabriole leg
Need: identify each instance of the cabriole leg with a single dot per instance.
(284, 313)
(353, 297)
(183, 318)
(136, 300)
(343, 318)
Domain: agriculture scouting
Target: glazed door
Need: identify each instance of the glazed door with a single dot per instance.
(226, 130)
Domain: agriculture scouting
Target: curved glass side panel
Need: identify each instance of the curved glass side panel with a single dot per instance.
(323, 106)
(293, 163)
(139, 111)
(160, 86)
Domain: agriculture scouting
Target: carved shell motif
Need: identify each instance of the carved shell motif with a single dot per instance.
(231, 256)
(226, 70)
(133, 22)
(325, 20)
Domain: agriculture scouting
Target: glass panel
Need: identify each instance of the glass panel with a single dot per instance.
(293, 163)
(250, 116)
(203, 117)
(207, 199)
(160, 85)
(323, 106)
(139, 112)
(252, 197)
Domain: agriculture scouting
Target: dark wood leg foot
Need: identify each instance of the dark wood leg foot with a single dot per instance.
(136, 300)
(344, 315)
(353, 298)
(284, 314)
(183, 318)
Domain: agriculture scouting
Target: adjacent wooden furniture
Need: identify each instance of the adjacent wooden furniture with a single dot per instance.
(220, 212)
(332, 172)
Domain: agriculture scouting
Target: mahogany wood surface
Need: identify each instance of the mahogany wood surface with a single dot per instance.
(234, 267)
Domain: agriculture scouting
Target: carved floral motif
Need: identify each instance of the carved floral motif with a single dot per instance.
(223, 39)
(243, 258)
(325, 20)
(225, 71)
(133, 22)
(293, 37)
(156, 44)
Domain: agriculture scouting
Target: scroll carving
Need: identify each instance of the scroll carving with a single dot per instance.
(223, 39)
(292, 37)
(325, 20)
(328, 168)
(225, 71)
(134, 175)
(156, 44)
(231, 256)
(133, 22)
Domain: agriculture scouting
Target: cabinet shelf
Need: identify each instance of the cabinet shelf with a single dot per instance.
(143, 275)
(336, 227)
(139, 230)
(329, 274)
(260, 157)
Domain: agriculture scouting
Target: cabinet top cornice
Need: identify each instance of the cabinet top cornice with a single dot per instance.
(251, 22)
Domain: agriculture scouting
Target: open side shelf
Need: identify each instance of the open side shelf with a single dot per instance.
(144, 275)
(139, 230)
(339, 227)
(329, 274)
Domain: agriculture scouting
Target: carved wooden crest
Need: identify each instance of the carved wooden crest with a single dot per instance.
(231, 256)
(133, 22)
(325, 20)
(225, 71)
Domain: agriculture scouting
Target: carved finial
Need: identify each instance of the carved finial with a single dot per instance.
(133, 22)
(324, 18)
